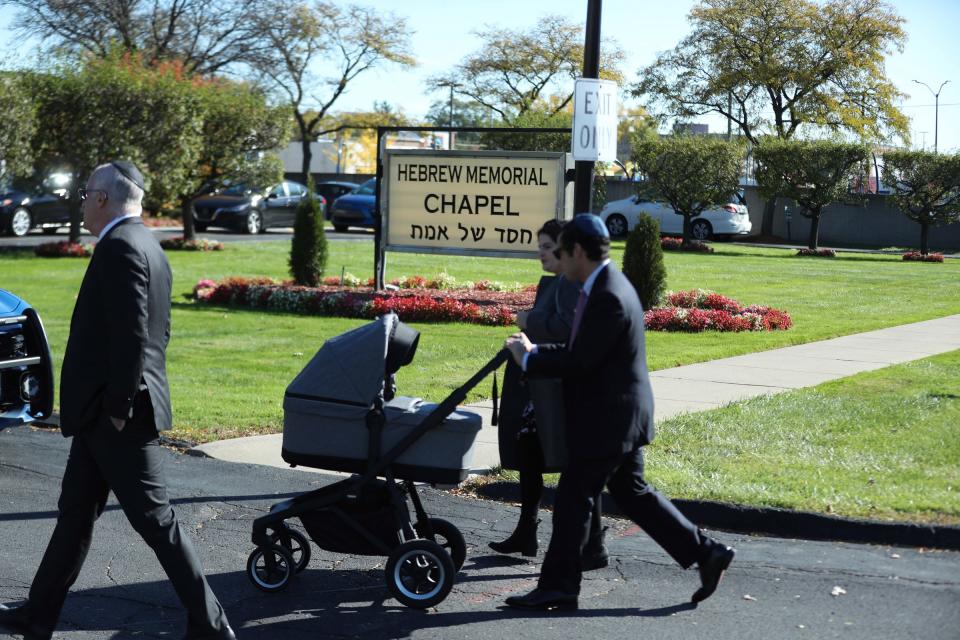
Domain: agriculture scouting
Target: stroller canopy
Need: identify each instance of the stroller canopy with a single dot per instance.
(351, 367)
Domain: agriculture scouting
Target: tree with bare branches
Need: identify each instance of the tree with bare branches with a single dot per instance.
(517, 70)
(299, 36)
(207, 36)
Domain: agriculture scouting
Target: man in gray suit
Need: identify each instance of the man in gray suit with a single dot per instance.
(114, 398)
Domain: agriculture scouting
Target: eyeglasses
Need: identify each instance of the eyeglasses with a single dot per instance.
(85, 193)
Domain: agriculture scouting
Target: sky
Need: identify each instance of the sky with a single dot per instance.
(443, 35)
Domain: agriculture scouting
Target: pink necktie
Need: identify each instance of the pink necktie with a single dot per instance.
(577, 315)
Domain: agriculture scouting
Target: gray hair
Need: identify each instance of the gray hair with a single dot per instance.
(121, 191)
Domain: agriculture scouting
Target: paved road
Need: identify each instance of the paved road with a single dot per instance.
(890, 593)
(35, 237)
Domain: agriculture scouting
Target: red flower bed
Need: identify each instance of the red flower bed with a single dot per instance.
(161, 221)
(817, 253)
(672, 243)
(496, 308)
(179, 244)
(64, 249)
(916, 256)
(700, 310)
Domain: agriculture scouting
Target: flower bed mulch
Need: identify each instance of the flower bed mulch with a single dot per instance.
(64, 249)
(477, 306)
(916, 256)
(673, 243)
(161, 221)
(201, 244)
(817, 253)
(699, 310)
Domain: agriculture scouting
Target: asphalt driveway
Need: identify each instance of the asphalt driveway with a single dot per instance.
(777, 588)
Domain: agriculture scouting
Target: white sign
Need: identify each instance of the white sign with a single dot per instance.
(472, 203)
(595, 120)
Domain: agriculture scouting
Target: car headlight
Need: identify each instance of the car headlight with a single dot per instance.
(235, 208)
(29, 387)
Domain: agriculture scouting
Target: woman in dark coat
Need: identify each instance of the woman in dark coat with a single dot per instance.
(531, 431)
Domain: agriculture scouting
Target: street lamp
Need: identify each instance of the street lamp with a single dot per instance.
(936, 109)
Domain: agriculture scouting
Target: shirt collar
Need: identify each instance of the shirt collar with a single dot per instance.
(588, 285)
(115, 222)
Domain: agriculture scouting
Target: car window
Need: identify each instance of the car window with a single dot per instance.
(238, 189)
(278, 191)
(367, 188)
(296, 189)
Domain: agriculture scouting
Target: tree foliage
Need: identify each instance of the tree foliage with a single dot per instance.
(774, 66)
(308, 248)
(926, 188)
(299, 35)
(239, 135)
(814, 173)
(534, 119)
(118, 108)
(514, 70)
(206, 36)
(691, 173)
(18, 121)
(643, 261)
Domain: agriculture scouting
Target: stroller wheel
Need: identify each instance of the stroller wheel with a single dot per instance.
(420, 573)
(270, 568)
(296, 543)
(449, 537)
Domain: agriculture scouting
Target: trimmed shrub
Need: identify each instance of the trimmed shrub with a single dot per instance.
(643, 261)
(179, 243)
(673, 243)
(308, 249)
(64, 249)
(817, 253)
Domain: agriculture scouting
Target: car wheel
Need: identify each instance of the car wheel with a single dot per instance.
(49, 231)
(340, 227)
(701, 230)
(20, 222)
(254, 223)
(617, 225)
(199, 226)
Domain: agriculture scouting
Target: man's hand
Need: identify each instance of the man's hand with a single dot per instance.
(518, 344)
(118, 423)
(522, 319)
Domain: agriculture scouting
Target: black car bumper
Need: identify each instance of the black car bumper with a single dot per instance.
(26, 370)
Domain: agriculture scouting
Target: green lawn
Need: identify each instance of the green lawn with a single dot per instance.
(881, 445)
(228, 367)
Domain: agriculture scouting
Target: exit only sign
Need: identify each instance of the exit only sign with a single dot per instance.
(594, 120)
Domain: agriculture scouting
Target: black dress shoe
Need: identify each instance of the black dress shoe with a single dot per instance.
(15, 619)
(596, 560)
(544, 600)
(523, 540)
(711, 567)
(224, 634)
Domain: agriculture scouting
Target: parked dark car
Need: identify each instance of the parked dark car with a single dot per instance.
(355, 209)
(249, 209)
(35, 203)
(26, 369)
(333, 189)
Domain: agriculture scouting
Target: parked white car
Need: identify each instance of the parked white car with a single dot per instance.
(731, 219)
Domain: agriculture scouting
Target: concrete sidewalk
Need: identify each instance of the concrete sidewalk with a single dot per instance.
(706, 385)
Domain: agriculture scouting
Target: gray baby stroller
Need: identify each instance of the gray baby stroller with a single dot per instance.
(341, 414)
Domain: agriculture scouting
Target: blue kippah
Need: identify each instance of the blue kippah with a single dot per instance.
(590, 225)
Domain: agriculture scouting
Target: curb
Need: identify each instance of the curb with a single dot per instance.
(782, 523)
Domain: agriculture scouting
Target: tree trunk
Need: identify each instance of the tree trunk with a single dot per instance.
(924, 237)
(76, 217)
(766, 224)
(307, 157)
(814, 230)
(687, 229)
(186, 212)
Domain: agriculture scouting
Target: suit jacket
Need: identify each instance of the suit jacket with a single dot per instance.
(119, 333)
(607, 392)
(548, 321)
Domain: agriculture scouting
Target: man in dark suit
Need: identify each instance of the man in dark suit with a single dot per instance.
(609, 409)
(114, 398)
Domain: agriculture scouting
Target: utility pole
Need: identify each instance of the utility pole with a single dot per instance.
(451, 84)
(936, 109)
(583, 182)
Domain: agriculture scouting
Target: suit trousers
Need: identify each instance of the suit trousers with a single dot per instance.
(580, 484)
(129, 463)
